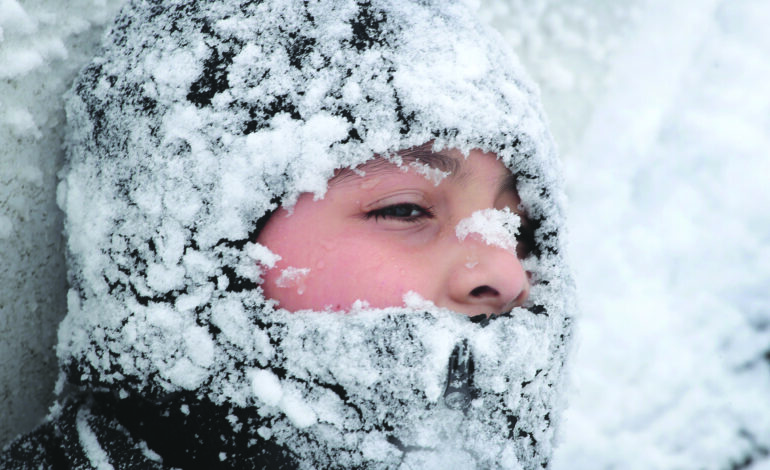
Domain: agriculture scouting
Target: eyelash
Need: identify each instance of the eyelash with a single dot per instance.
(389, 212)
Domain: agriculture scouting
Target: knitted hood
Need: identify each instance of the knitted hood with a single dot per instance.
(191, 126)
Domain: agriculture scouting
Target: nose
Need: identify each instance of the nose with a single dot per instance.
(486, 279)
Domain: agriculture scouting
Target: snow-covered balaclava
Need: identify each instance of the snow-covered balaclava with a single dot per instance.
(194, 123)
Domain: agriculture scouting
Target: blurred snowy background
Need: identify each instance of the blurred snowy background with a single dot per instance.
(662, 113)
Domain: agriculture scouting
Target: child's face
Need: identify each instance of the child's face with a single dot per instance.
(378, 236)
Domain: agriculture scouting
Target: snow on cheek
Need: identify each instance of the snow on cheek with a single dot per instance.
(293, 277)
(495, 226)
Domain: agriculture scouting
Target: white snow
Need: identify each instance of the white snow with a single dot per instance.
(93, 449)
(297, 410)
(496, 227)
(268, 389)
(262, 254)
(266, 386)
(414, 300)
(433, 175)
(293, 277)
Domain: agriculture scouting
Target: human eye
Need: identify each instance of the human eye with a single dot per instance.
(401, 212)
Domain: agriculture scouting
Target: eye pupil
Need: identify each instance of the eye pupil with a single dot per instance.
(404, 210)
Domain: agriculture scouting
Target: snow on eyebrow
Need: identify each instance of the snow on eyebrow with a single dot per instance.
(433, 166)
(433, 174)
(497, 227)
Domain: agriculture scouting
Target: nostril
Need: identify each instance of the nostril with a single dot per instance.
(484, 291)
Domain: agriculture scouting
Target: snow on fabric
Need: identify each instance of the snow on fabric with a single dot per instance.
(90, 443)
(191, 126)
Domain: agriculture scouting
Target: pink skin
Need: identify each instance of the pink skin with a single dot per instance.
(378, 236)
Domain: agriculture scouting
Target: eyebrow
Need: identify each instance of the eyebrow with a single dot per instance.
(418, 155)
(423, 155)
(439, 161)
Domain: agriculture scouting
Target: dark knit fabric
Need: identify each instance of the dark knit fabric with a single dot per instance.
(91, 431)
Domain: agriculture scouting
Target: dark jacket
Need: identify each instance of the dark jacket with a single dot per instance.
(92, 430)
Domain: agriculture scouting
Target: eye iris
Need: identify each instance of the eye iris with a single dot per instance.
(404, 210)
